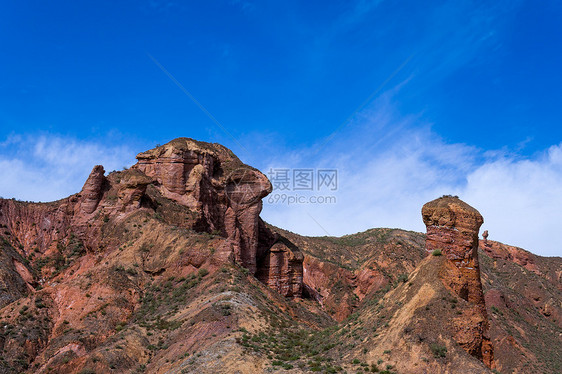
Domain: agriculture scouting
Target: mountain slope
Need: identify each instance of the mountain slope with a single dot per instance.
(167, 268)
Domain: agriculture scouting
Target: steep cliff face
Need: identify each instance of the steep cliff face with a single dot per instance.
(86, 256)
(36, 228)
(210, 179)
(92, 190)
(42, 228)
(452, 228)
(219, 195)
(15, 277)
(281, 268)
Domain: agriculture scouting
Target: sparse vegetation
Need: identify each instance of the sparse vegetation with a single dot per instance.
(203, 272)
(438, 350)
(288, 345)
(402, 278)
(359, 270)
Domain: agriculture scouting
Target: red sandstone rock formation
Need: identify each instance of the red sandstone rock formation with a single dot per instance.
(208, 179)
(15, 277)
(211, 179)
(519, 256)
(281, 268)
(325, 281)
(131, 189)
(452, 227)
(92, 190)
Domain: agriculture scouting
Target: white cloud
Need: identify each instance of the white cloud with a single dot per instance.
(377, 188)
(521, 200)
(48, 167)
(386, 176)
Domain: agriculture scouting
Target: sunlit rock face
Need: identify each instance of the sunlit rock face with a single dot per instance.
(210, 179)
(452, 228)
(228, 194)
(93, 190)
(223, 196)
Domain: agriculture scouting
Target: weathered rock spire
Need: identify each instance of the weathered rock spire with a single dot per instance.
(452, 227)
(92, 190)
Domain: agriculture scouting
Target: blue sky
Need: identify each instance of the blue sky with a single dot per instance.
(408, 100)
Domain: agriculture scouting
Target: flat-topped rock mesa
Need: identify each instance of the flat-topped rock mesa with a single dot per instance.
(452, 228)
(218, 193)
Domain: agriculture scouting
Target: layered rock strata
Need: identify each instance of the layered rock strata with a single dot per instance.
(452, 228)
(281, 268)
(210, 179)
(217, 192)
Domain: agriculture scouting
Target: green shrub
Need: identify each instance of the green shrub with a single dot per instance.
(438, 350)
(202, 272)
(225, 309)
(436, 252)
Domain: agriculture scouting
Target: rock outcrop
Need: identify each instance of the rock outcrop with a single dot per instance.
(217, 193)
(281, 268)
(452, 228)
(517, 255)
(15, 276)
(141, 271)
(131, 189)
(210, 179)
(93, 190)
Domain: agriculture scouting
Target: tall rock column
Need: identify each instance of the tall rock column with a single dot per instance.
(92, 190)
(452, 227)
(245, 189)
(281, 267)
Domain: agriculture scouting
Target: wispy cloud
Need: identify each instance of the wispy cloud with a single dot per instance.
(390, 165)
(385, 177)
(50, 167)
